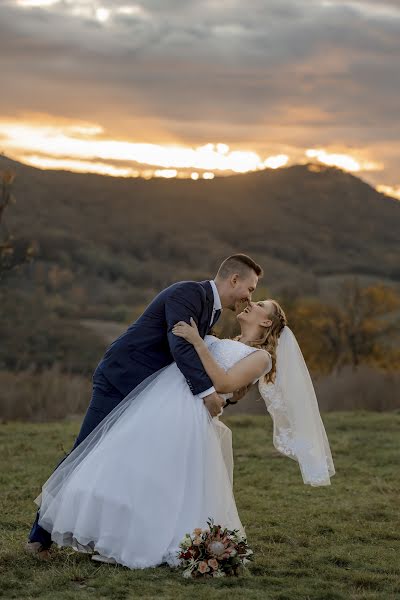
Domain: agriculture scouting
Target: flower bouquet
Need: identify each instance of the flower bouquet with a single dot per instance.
(213, 552)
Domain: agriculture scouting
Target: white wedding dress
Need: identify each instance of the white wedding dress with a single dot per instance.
(152, 471)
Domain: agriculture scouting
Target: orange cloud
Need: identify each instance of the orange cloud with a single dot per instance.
(80, 146)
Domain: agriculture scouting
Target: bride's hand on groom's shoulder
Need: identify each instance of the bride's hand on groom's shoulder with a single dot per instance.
(188, 332)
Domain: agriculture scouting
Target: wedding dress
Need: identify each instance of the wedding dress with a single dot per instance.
(152, 471)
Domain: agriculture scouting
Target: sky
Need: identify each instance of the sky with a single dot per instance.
(185, 88)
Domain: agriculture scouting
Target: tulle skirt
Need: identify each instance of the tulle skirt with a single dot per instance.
(136, 487)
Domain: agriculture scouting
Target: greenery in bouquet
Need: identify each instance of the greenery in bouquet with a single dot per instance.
(213, 552)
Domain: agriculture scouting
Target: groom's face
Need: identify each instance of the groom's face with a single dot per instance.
(242, 289)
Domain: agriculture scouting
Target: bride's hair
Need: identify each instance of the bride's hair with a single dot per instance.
(270, 339)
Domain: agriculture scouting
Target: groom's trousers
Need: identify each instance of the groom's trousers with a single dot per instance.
(105, 397)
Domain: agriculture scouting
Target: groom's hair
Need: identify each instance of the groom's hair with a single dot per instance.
(240, 264)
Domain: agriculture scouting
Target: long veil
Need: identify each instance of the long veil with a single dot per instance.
(52, 487)
(299, 432)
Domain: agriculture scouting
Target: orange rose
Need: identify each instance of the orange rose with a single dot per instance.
(203, 567)
(197, 531)
(213, 563)
(197, 541)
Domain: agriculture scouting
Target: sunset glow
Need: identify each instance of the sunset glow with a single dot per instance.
(343, 161)
(389, 190)
(167, 173)
(334, 160)
(185, 90)
(83, 147)
(82, 143)
(274, 162)
(79, 166)
(65, 146)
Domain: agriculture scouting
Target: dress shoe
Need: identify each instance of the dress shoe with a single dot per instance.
(38, 550)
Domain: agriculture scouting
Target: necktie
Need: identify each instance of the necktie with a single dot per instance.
(215, 317)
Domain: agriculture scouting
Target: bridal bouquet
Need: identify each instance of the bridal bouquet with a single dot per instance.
(213, 552)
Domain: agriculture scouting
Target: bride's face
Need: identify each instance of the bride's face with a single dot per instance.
(256, 313)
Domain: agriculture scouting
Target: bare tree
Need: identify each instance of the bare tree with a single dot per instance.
(12, 252)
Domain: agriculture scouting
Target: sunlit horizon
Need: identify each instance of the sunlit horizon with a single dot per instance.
(201, 90)
(84, 148)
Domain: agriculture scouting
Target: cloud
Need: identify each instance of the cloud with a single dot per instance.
(265, 76)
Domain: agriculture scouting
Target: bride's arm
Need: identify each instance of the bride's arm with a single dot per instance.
(241, 374)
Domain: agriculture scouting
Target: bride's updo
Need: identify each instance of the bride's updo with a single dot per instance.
(269, 341)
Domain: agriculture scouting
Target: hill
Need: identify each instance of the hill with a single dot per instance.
(106, 245)
(296, 221)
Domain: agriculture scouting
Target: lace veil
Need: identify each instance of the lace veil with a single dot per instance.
(299, 432)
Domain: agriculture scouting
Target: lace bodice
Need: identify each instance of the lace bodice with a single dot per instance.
(227, 353)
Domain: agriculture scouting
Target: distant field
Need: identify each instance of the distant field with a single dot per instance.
(336, 543)
(106, 330)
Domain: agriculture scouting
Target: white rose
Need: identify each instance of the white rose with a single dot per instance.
(186, 542)
(218, 573)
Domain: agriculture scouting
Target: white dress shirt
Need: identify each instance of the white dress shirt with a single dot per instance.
(217, 306)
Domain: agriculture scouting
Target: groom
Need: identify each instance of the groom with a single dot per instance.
(149, 345)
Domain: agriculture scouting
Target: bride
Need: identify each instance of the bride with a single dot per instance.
(158, 466)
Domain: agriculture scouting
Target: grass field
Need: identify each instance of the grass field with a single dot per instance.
(334, 543)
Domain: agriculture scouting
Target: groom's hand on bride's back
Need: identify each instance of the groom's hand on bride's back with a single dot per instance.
(214, 404)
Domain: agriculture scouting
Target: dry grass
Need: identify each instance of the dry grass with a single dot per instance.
(53, 395)
(42, 396)
(366, 388)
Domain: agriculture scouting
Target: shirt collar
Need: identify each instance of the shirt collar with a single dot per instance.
(217, 299)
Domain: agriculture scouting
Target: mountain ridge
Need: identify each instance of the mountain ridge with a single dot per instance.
(312, 220)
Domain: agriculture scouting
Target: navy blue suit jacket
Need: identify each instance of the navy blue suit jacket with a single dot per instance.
(149, 344)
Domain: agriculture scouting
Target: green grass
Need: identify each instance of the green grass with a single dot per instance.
(334, 543)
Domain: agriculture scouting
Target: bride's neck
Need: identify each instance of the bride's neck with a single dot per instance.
(249, 335)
